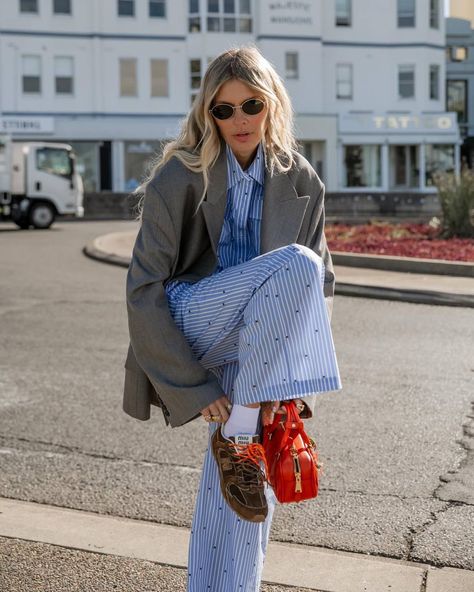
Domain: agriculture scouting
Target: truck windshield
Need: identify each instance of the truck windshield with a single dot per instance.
(54, 160)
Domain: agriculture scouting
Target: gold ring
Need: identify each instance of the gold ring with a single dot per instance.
(215, 417)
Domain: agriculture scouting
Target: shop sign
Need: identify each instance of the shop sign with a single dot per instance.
(438, 122)
(364, 122)
(26, 125)
(290, 13)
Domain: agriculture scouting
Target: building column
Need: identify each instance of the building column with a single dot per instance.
(385, 166)
(118, 166)
(422, 185)
(457, 160)
(340, 168)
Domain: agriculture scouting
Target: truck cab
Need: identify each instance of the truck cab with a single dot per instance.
(38, 182)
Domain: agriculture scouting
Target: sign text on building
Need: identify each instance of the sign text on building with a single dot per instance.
(27, 125)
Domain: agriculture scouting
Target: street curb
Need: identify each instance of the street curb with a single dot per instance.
(93, 250)
(412, 296)
(317, 568)
(404, 264)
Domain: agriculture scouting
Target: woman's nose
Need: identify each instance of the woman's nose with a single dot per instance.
(239, 114)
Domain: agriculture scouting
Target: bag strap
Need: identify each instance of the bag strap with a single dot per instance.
(293, 423)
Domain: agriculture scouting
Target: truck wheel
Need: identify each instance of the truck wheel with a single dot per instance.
(42, 215)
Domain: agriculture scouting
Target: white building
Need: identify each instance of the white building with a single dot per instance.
(115, 77)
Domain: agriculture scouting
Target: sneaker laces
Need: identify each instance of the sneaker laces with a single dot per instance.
(250, 457)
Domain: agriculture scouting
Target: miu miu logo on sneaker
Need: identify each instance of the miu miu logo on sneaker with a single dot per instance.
(243, 439)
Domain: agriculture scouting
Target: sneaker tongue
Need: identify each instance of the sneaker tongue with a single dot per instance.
(243, 439)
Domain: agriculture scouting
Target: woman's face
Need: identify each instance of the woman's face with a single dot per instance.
(241, 132)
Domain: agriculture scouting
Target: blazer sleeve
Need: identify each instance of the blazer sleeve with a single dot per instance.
(161, 350)
(316, 241)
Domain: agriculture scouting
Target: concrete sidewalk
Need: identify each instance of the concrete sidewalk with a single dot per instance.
(130, 543)
(353, 280)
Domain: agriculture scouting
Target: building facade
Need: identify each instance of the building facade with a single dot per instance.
(460, 81)
(463, 9)
(115, 78)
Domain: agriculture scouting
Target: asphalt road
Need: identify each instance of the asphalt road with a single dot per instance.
(402, 421)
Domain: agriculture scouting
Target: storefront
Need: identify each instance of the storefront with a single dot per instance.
(388, 152)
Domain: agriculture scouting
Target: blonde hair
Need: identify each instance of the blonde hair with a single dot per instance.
(199, 142)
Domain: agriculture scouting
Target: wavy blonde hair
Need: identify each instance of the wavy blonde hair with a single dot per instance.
(199, 142)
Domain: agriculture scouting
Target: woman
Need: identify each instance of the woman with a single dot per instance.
(229, 295)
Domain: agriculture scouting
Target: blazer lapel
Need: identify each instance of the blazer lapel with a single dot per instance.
(283, 208)
(213, 208)
(283, 212)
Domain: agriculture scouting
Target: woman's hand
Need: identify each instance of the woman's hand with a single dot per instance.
(270, 408)
(218, 411)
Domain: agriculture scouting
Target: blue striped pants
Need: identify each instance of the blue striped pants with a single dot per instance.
(262, 327)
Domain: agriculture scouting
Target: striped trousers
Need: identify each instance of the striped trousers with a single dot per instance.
(262, 328)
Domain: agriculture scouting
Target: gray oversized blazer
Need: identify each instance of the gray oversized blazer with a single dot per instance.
(177, 242)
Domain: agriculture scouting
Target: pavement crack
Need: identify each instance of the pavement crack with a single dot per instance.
(457, 484)
(414, 532)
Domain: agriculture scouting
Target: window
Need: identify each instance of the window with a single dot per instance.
(344, 81)
(157, 8)
(64, 76)
(29, 6)
(55, 161)
(195, 73)
(31, 80)
(456, 54)
(406, 13)
(314, 154)
(434, 14)
(126, 7)
(456, 98)
(128, 77)
(404, 167)
(138, 160)
(194, 20)
(62, 6)
(291, 65)
(434, 81)
(406, 82)
(438, 158)
(230, 16)
(362, 166)
(343, 13)
(159, 78)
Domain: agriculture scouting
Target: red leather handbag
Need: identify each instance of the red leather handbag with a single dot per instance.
(291, 457)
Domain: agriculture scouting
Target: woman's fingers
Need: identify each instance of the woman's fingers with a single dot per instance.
(299, 405)
(218, 411)
(269, 408)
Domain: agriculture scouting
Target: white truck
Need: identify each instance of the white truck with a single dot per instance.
(38, 181)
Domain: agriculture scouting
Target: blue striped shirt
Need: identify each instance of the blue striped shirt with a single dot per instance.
(240, 236)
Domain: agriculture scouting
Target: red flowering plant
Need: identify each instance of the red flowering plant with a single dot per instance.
(403, 240)
(449, 238)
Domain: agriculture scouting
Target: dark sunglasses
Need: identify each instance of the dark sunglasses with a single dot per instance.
(250, 107)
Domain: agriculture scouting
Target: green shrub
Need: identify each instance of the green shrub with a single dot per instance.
(456, 195)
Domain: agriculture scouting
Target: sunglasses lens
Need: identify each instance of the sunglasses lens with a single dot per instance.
(252, 106)
(222, 111)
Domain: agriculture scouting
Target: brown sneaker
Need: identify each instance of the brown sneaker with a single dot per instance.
(240, 474)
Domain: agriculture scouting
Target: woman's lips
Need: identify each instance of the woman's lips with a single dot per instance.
(242, 137)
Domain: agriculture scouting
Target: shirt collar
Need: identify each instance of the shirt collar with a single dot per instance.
(256, 170)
